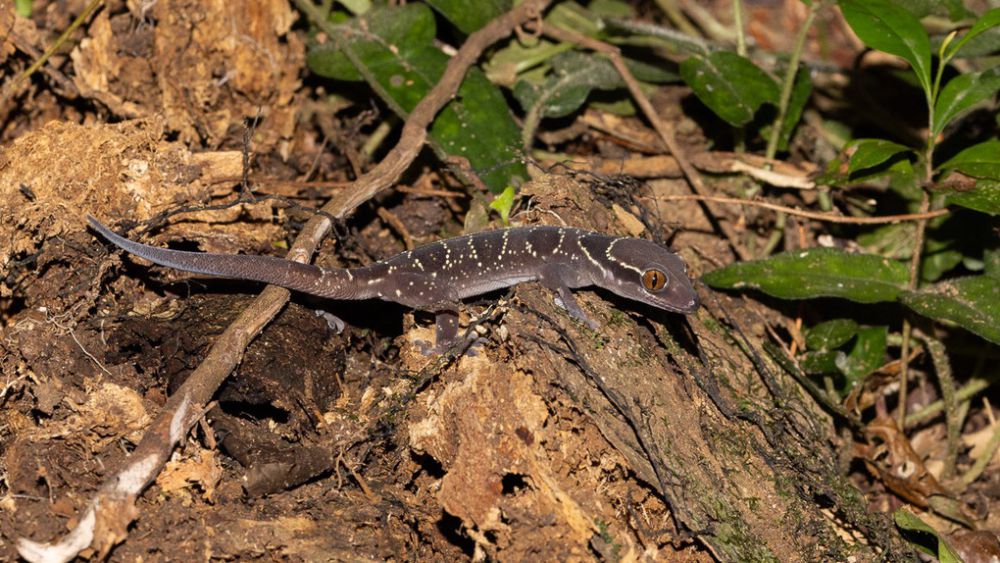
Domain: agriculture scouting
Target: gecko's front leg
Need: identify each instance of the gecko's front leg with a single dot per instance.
(558, 277)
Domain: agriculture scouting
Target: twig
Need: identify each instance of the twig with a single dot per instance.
(69, 89)
(777, 128)
(692, 175)
(105, 522)
(13, 84)
(397, 225)
(828, 217)
(431, 192)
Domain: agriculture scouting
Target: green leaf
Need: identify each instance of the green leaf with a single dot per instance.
(621, 106)
(869, 153)
(357, 6)
(470, 16)
(985, 22)
(504, 67)
(611, 9)
(942, 551)
(821, 362)
(972, 303)
(891, 241)
(655, 70)
(866, 356)
(409, 29)
(730, 85)
(477, 125)
(952, 9)
(830, 334)
(573, 17)
(985, 197)
(935, 264)
(23, 8)
(395, 48)
(983, 45)
(980, 161)
(503, 203)
(899, 171)
(563, 91)
(887, 27)
(963, 92)
(991, 262)
(818, 272)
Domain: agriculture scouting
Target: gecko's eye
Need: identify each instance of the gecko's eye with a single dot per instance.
(654, 280)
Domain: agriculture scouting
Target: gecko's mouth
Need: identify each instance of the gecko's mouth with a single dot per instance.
(691, 306)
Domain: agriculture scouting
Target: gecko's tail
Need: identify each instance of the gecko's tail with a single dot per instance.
(268, 269)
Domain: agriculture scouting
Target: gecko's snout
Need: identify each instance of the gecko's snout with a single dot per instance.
(691, 306)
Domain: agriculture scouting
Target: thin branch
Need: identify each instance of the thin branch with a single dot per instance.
(828, 217)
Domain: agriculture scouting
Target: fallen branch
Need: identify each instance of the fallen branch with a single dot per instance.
(105, 521)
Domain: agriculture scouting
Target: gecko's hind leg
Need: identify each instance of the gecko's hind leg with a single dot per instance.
(447, 336)
(333, 322)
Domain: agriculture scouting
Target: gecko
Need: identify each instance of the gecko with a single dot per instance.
(435, 277)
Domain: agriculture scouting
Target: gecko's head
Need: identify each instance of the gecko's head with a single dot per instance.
(646, 272)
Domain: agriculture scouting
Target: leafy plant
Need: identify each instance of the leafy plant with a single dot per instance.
(395, 50)
(392, 49)
(503, 203)
(939, 548)
(841, 347)
(970, 302)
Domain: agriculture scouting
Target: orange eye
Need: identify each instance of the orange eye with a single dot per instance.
(654, 280)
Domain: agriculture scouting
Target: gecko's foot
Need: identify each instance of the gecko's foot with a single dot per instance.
(426, 348)
(335, 323)
(576, 313)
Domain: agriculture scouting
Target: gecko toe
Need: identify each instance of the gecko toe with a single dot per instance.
(334, 322)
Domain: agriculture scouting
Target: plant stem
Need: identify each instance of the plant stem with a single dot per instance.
(952, 417)
(918, 242)
(677, 17)
(741, 36)
(789, 82)
(786, 95)
(964, 394)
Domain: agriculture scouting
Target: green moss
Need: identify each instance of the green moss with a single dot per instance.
(733, 543)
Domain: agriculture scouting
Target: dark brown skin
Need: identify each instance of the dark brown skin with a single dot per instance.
(435, 277)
